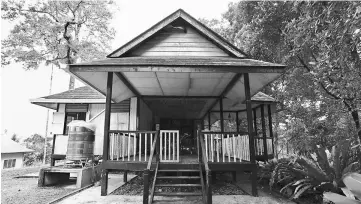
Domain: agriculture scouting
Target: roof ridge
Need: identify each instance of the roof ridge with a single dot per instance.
(180, 13)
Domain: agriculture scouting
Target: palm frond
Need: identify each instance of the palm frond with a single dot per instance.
(304, 188)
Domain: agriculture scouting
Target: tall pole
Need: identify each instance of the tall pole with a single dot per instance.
(264, 134)
(47, 117)
(221, 113)
(250, 133)
(104, 187)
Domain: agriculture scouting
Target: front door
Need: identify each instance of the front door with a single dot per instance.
(169, 145)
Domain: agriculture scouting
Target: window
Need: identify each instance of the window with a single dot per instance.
(73, 116)
(9, 163)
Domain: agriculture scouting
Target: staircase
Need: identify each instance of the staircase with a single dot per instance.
(178, 179)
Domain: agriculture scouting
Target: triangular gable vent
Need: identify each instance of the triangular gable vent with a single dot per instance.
(179, 34)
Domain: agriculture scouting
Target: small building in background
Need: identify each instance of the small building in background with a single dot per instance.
(12, 154)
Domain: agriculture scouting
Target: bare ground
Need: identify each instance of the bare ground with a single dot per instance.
(26, 190)
(223, 185)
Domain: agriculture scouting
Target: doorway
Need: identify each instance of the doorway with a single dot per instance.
(187, 134)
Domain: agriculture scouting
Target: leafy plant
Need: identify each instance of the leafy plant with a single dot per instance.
(318, 173)
(352, 192)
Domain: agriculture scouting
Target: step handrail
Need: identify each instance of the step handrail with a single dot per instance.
(153, 185)
(207, 198)
(153, 150)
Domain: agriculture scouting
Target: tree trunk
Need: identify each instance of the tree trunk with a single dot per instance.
(71, 82)
(356, 119)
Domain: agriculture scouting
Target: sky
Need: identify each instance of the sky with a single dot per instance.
(131, 18)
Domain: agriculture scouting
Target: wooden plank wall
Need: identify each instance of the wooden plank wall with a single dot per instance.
(173, 42)
(145, 117)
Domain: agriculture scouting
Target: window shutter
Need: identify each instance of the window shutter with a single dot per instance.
(58, 123)
(122, 107)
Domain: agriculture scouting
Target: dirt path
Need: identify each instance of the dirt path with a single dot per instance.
(26, 190)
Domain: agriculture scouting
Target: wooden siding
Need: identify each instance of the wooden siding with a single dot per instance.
(145, 117)
(173, 42)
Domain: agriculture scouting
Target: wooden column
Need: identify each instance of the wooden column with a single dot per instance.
(255, 120)
(104, 187)
(146, 186)
(209, 121)
(237, 121)
(270, 126)
(251, 133)
(199, 130)
(221, 113)
(264, 134)
(52, 161)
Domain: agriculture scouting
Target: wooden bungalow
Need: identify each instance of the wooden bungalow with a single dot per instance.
(182, 74)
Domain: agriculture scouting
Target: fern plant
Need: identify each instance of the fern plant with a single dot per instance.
(323, 173)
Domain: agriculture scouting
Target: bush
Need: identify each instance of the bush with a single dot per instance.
(315, 174)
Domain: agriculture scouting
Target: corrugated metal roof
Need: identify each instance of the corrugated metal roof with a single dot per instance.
(9, 146)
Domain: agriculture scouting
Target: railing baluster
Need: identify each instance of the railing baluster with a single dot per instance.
(128, 151)
(123, 147)
(151, 142)
(169, 137)
(161, 145)
(217, 149)
(178, 146)
(206, 141)
(118, 147)
(228, 150)
(223, 149)
(134, 146)
(145, 153)
(212, 148)
(140, 146)
(234, 149)
(173, 146)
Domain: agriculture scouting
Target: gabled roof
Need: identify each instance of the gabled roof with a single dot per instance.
(179, 14)
(9, 146)
(260, 96)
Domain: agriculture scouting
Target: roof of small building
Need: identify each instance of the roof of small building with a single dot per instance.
(10, 146)
(260, 96)
(84, 92)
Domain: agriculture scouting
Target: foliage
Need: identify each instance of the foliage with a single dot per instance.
(317, 172)
(320, 44)
(57, 32)
(36, 143)
(15, 137)
(352, 192)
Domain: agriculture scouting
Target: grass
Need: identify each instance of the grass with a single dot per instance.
(26, 190)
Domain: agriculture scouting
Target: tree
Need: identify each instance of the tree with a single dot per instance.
(57, 32)
(36, 142)
(320, 44)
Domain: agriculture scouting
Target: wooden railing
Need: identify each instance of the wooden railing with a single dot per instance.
(169, 145)
(226, 146)
(259, 144)
(128, 146)
(207, 185)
